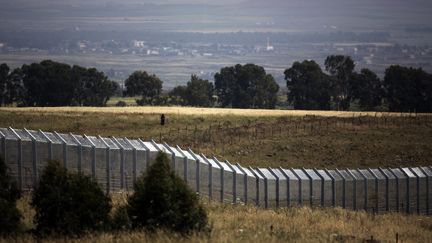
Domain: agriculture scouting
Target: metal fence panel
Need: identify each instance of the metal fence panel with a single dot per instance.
(316, 186)
(421, 190)
(260, 189)
(380, 191)
(228, 180)
(327, 187)
(338, 187)
(190, 166)
(304, 186)
(401, 196)
(239, 185)
(390, 188)
(215, 180)
(203, 175)
(411, 201)
(116, 163)
(281, 188)
(269, 187)
(428, 172)
(251, 189)
(292, 187)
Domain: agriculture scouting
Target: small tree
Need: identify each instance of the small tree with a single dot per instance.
(163, 200)
(9, 194)
(69, 203)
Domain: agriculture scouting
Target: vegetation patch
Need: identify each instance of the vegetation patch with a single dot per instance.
(162, 200)
(68, 203)
(9, 194)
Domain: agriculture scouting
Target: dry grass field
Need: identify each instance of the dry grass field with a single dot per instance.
(239, 223)
(259, 138)
(322, 139)
(194, 111)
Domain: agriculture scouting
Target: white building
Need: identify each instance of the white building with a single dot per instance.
(269, 47)
(138, 43)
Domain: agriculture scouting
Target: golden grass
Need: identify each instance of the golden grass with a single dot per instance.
(406, 143)
(239, 223)
(287, 141)
(195, 111)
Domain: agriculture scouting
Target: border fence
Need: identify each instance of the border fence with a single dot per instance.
(115, 164)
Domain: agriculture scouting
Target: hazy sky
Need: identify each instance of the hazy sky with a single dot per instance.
(220, 15)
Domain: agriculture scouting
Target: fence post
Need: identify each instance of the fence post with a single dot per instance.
(64, 148)
(156, 145)
(134, 160)
(427, 189)
(376, 190)
(222, 170)
(108, 165)
(210, 176)
(343, 188)
(288, 186)
(245, 182)
(300, 193)
(417, 189)
(365, 189)
(407, 190)
(147, 158)
(354, 189)
(173, 157)
(234, 181)
(197, 171)
(333, 187)
(93, 165)
(185, 164)
(397, 189)
(50, 144)
(322, 186)
(122, 162)
(277, 187)
(310, 186)
(257, 184)
(3, 144)
(387, 188)
(19, 147)
(34, 158)
(79, 151)
(265, 188)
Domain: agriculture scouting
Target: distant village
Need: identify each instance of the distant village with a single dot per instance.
(373, 55)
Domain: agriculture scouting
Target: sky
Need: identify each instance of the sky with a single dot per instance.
(392, 16)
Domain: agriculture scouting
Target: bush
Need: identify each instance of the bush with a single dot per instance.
(163, 200)
(121, 220)
(69, 203)
(9, 194)
(121, 103)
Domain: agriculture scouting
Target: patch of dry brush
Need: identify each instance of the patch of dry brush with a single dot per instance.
(239, 223)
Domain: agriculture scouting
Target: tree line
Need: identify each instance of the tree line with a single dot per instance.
(338, 87)
(240, 86)
(402, 89)
(50, 83)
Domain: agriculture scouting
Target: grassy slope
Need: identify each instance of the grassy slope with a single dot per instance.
(368, 142)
